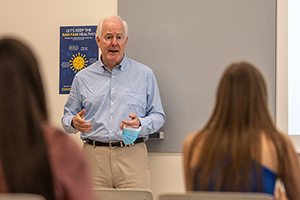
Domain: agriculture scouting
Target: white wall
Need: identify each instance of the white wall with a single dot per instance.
(281, 71)
(38, 22)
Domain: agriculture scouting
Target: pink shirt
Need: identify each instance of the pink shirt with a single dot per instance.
(72, 178)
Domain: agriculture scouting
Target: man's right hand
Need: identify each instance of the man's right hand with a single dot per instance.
(80, 124)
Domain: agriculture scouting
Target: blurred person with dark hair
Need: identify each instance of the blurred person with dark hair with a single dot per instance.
(34, 156)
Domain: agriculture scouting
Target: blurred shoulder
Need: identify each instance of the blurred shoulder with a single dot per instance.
(68, 166)
(285, 137)
(188, 140)
(57, 140)
(50, 131)
(288, 142)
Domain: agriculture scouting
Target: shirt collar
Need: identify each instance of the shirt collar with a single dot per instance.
(121, 65)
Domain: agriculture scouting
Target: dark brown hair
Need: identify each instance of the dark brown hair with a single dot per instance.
(233, 133)
(23, 150)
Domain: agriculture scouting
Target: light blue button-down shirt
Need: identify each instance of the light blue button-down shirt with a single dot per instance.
(109, 97)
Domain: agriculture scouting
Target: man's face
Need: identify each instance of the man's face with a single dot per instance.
(112, 42)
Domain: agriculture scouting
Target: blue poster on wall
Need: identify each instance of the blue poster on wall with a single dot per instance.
(78, 50)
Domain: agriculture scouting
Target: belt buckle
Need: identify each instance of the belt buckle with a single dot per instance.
(110, 144)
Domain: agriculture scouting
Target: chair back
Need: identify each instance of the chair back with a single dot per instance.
(21, 196)
(216, 196)
(123, 194)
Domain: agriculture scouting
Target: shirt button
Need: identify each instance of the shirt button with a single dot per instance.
(112, 88)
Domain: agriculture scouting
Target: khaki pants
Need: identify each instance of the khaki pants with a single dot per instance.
(119, 167)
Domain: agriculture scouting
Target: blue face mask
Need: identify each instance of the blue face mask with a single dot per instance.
(129, 135)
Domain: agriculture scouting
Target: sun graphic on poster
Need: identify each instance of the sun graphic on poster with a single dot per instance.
(78, 62)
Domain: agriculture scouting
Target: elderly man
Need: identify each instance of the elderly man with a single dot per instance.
(107, 96)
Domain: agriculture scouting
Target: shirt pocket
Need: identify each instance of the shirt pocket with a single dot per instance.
(93, 103)
(136, 101)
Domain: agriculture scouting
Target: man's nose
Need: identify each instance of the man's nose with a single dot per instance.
(114, 41)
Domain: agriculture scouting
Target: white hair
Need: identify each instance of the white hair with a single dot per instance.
(99, 27)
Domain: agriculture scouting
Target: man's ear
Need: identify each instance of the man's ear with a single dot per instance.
(98, 41)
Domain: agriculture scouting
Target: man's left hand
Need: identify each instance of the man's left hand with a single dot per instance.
(134, 122)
